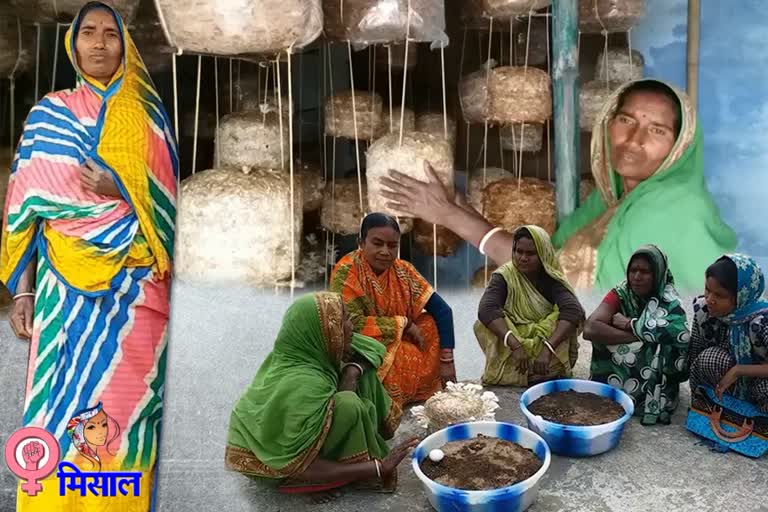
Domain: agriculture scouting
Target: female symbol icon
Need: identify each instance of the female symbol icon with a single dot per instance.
(32, 453)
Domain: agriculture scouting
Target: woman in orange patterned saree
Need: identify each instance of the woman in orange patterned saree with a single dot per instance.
(390, 301)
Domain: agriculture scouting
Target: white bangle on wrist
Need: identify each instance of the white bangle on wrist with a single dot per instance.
(356, 366)
(506, 339)
(484, 240)
(23, 294)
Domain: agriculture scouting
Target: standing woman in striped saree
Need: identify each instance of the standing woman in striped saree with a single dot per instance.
(86, 252)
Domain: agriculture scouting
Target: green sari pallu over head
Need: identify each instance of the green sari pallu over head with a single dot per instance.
(672, 209)
(293, 413)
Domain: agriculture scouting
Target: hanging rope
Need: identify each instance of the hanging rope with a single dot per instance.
(290, 146)
(12, 90)
(549, 121)
(197, 112)
(389, 73)
(485, 124)
(445, 135)
(231, 87)
(333, 156)
(301, 101)
(217, 156)
(55, 57)
(279, 101)
(37, 63)
(354, 123)
(321, 136)
(522, 125)
(176, 107)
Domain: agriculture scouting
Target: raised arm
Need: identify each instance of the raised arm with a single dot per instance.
(430, 202)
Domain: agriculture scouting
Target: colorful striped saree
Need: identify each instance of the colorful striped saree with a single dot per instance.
(97, 357)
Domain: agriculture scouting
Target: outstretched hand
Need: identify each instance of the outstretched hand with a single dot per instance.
(396, 456)
(409, 197)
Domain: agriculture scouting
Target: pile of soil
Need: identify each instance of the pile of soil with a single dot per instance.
(575, 408)
(482, 464)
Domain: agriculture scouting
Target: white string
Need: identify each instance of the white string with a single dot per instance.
(197, 112)
(321, 136)
(259, 68)
(217, 156)
(266, 90)
(604, 32)
(549, 121)
(629, 47)
(12, 90)
(371, 75)
(290, 146)
(522, 125)
(354, 123)
(333, 151)
(485, 133)
(279, 98)
(176, 105)
(231, 87)
(605, 60)
(37, 63)
(301, 102)
(405, 74)
(445, 134)
(389, 72)
(55, 57)
(20, 50)
(12, 116)
(238, 100)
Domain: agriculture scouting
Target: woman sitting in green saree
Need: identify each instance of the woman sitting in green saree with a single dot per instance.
(528, 316)
(640, 338)
(316, 416)
(647, 162)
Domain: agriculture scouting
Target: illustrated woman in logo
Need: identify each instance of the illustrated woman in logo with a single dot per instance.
(90, 430)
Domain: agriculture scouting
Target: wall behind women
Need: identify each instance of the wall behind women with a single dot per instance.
(732, 102)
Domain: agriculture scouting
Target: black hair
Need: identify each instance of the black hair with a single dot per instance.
(724, 272)
(92, 6)
(377, 220)
(520, 234)
(658, 88)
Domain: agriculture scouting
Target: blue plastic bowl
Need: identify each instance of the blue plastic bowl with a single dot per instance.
(514, 498)
(572, 441)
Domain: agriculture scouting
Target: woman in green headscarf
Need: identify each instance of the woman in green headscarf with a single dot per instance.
(640, 338)
(647, 162)
(316, 416)
(529, 316)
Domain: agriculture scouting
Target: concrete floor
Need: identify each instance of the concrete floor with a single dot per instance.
(220, 336)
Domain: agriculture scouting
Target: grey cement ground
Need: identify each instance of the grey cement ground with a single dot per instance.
(219, 338)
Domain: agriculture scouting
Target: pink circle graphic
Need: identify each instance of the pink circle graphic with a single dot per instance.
(49, 443)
